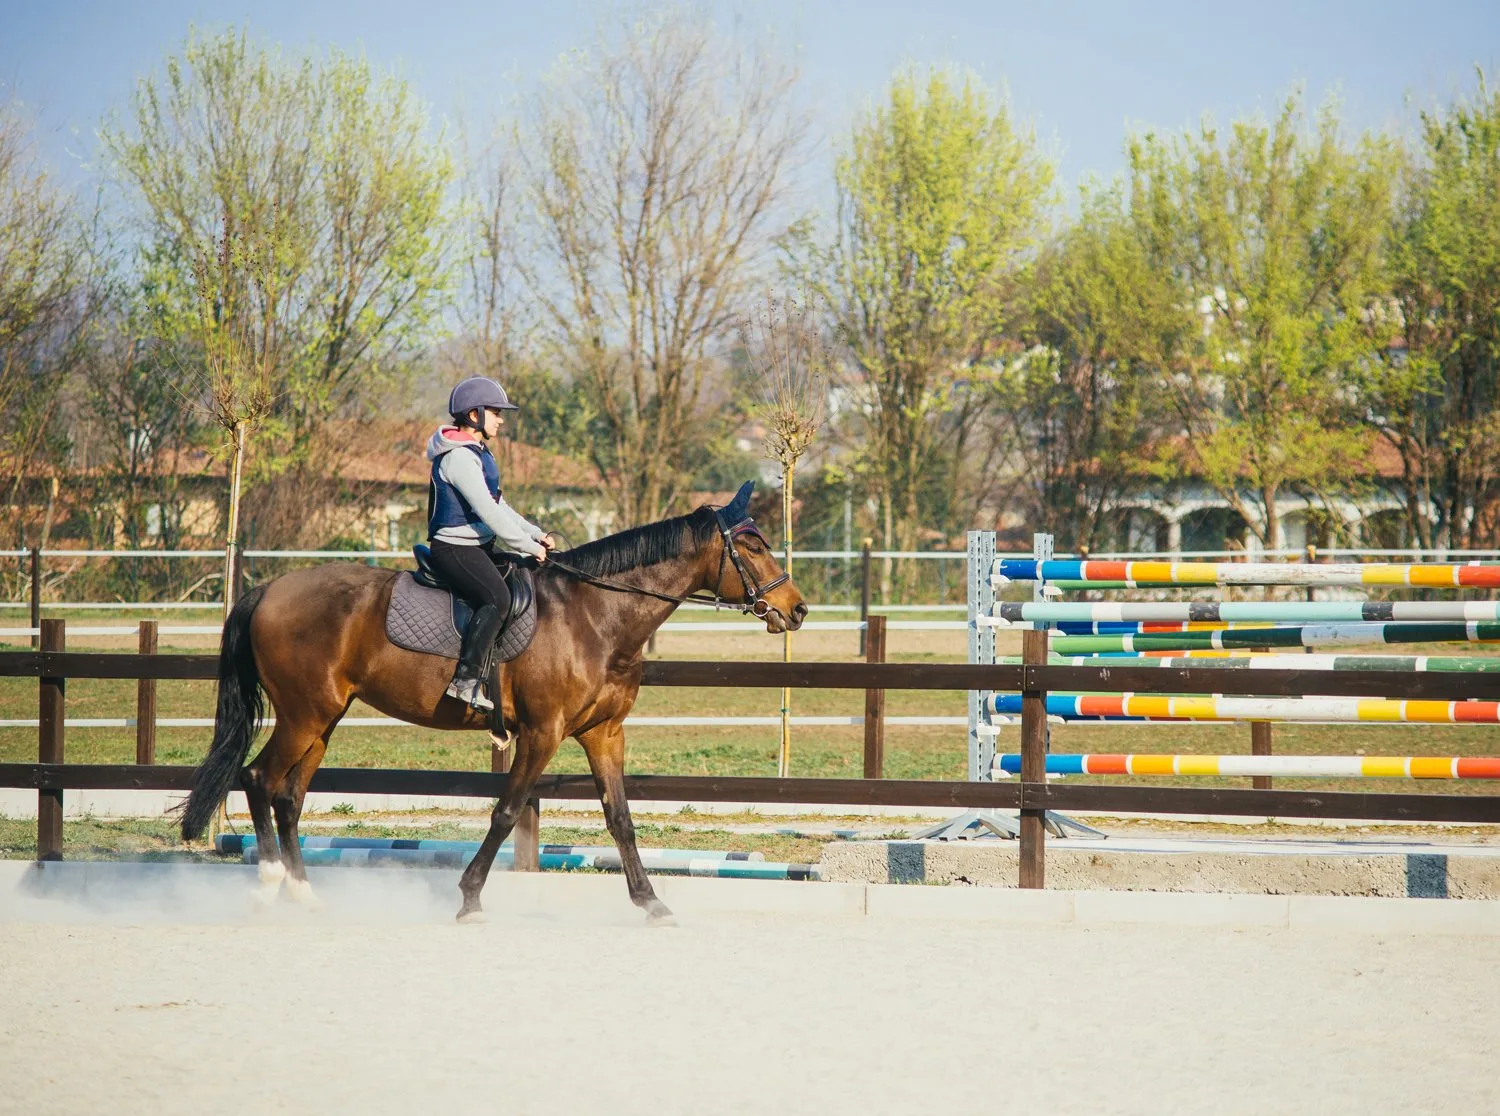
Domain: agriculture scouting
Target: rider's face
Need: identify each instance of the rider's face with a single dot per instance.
(493, 421)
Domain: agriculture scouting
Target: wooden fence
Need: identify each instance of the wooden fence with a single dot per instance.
(51, 777)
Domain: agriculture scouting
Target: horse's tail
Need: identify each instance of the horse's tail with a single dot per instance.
(241, 707)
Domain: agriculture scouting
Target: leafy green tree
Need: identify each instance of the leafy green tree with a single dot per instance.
(1085, 410)
(1436, 396)
(941, 199)
(293, 217)
(1273, 234)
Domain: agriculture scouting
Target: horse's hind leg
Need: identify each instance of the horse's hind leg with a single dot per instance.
(274, 786)
(287, 803)
(259, 781)
(605, 746)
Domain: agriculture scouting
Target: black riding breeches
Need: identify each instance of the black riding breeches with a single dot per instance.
(470, 572)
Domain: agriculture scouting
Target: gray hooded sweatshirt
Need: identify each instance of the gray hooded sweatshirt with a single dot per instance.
(511, 531)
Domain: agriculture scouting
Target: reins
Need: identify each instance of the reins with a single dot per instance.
(754, 603)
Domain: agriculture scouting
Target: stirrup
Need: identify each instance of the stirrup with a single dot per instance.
(501, 734)
(471, 692)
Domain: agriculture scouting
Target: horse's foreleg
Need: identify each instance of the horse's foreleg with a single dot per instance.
(534, 750)
(605, 746)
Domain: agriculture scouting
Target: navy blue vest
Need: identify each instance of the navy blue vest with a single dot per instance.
(446, 507)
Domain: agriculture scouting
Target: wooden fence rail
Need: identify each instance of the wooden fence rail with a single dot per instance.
(52, 664)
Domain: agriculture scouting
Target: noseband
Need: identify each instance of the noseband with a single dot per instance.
(754, 604)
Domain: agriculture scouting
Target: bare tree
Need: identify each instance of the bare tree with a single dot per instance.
(658, 169)
(48, 293)
(791, 367)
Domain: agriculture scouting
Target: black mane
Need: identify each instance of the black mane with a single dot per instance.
(645, 545)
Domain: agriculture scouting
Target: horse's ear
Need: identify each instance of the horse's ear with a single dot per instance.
(736, 511)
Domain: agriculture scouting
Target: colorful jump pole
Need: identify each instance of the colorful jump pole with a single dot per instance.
(1306, 635)
(1152, 627)
(709, 865)
(1281, 612)
(233, 843)
(1156, 574)
(1231, 660)
(1310, 767)
(1331, 709)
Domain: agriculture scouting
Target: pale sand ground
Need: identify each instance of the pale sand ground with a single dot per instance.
(384, 1005)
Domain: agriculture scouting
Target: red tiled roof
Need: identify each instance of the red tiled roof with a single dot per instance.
(393, 453)
(1382, 459)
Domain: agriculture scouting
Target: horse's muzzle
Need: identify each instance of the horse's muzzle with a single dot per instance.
(778, 621)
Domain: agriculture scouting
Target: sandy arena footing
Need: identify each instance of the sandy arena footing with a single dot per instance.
(1270, 867)
(161, 989)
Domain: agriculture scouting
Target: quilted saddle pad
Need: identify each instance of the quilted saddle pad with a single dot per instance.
(422, 619)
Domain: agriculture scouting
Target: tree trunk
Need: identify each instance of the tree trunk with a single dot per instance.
(231, 540)
(889, 537)
(784, 760)
(1273, 518)
(51, 509)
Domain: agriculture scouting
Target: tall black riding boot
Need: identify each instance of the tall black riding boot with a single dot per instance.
(473, 659)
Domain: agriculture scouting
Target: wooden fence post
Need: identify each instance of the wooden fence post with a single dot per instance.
(875, 702)
(1260, 745)
(864, 595)
(145, 700)
(36, 593)
(49, 746)
(1033, 762)
(525, 835)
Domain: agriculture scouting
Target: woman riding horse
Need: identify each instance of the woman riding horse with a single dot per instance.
(468, 519)
(314, 640)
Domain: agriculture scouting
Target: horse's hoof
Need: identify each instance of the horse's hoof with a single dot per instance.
(264, 898)
(270, 874)
(301, 892)
(470, 914)
(659, 915)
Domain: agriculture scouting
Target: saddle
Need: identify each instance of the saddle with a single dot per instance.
(425, 616)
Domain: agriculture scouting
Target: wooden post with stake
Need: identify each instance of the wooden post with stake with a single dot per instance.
(36, 594)
(49, 746)
(864, 594)
(875, 703)
(525, 835)
(1260, 745)
(1033, 762)
(145, 700)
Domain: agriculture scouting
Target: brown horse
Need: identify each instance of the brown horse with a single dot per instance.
(314, 640)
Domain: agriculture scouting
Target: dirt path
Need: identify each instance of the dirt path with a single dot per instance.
(386, 1006)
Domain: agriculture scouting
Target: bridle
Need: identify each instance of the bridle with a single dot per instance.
(754, 604)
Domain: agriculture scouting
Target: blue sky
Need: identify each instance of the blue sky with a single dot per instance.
(1081, 73)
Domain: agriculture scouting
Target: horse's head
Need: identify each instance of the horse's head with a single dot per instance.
(748, 573)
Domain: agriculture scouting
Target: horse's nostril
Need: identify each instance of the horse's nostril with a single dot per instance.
(800, 610)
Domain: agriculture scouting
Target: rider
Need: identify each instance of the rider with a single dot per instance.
(471, 527)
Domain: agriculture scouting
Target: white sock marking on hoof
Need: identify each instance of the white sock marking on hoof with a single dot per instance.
(271, 874)
(300, 891)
